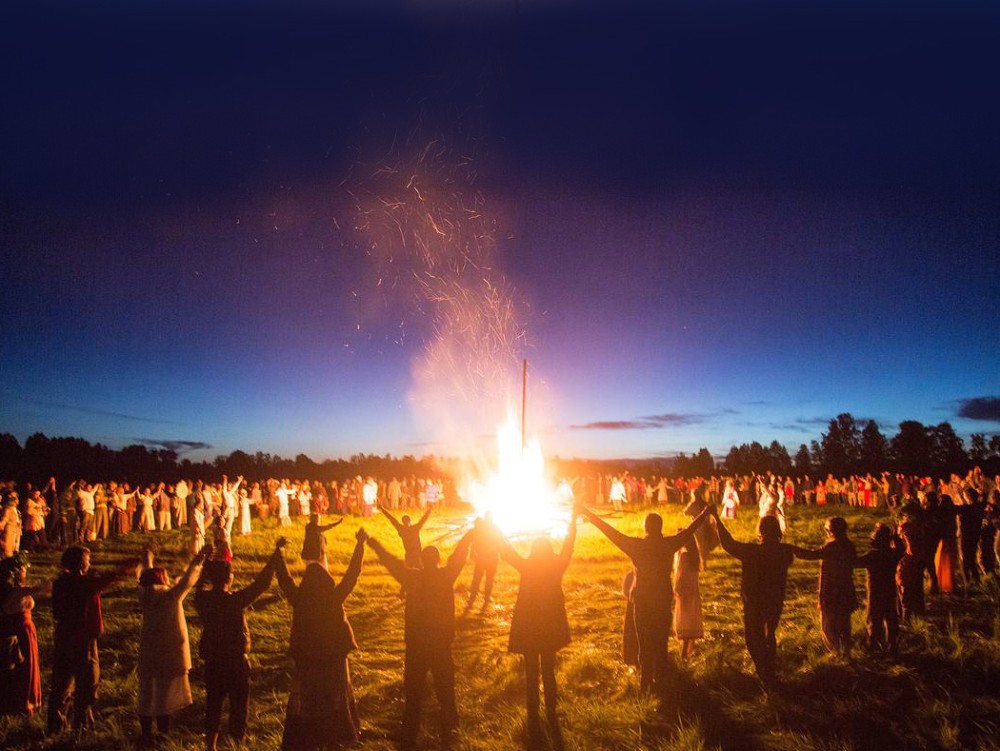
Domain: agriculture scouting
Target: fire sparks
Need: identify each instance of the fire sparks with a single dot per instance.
(517, 492)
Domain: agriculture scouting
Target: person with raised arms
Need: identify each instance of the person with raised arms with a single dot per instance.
(429, 632)
(651, 593)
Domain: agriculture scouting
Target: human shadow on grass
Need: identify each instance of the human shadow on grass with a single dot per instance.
(686, 702)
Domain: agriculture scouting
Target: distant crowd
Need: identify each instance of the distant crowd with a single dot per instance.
(943, 535)
(49, 517)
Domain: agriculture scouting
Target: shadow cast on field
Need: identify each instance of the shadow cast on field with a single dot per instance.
(686, 702)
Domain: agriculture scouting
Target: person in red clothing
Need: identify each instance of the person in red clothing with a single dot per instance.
(20, 679)
(76, 609)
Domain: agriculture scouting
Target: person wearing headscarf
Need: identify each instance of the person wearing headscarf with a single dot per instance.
(539, 627)
(321, 708)
(164, 649)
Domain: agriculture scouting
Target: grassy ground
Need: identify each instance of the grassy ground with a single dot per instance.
(943, 692)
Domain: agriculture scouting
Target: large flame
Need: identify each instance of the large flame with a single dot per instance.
(517, 492)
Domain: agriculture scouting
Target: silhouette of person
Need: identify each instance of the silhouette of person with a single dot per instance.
(882, 612)
(321, 707)
(314, 543)
(486, 544)
(539, 627)
(652, 593)
(409, 533)
(76, 609)
(225, 642)
(762, 589)
(910, 573)
(428, 634)
(837, 598)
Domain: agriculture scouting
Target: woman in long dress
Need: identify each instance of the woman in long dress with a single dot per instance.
(20, 676)
(321, 708)
(164, 650)
(687, 624)
(245, 527)
(10, 527)
(539, 627)
(147, 519)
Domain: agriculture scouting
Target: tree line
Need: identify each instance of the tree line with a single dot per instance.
(845, 448)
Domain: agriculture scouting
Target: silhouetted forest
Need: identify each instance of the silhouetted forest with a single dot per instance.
(845, 448)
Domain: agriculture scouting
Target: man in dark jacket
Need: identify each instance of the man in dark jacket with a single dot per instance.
(225, 642)
(76, 609)
(762, 589)
(429, 632)
(651, 594)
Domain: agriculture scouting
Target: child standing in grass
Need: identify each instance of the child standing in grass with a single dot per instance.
(688, 624)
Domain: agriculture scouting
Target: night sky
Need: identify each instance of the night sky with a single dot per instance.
(712, 222)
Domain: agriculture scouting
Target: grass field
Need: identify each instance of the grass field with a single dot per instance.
(943, 692)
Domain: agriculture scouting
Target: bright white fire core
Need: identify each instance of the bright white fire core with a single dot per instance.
(518, 494)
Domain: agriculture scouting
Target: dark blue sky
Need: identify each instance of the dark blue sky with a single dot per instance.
(717, 223)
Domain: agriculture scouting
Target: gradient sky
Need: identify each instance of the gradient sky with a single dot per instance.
(721, 222)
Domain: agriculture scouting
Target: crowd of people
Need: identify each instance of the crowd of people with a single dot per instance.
(47, 517)
(937, 541)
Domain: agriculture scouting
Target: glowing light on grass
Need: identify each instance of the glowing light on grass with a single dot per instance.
(517, 491)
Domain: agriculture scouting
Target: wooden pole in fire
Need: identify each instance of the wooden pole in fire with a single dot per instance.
(524, 401)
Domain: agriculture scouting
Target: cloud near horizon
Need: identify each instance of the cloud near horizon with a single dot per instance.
(980, 408)
(650, 422)
(180, 447)
(91, 410)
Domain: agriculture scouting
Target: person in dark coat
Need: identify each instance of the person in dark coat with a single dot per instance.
(429, 632)
(76, 609)
(882, 612)
(762, 590)
(539, 627)
(321, 708)
(837, 598)
(652, 593)
(225, 642)
(486, 544)
(314, 544)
